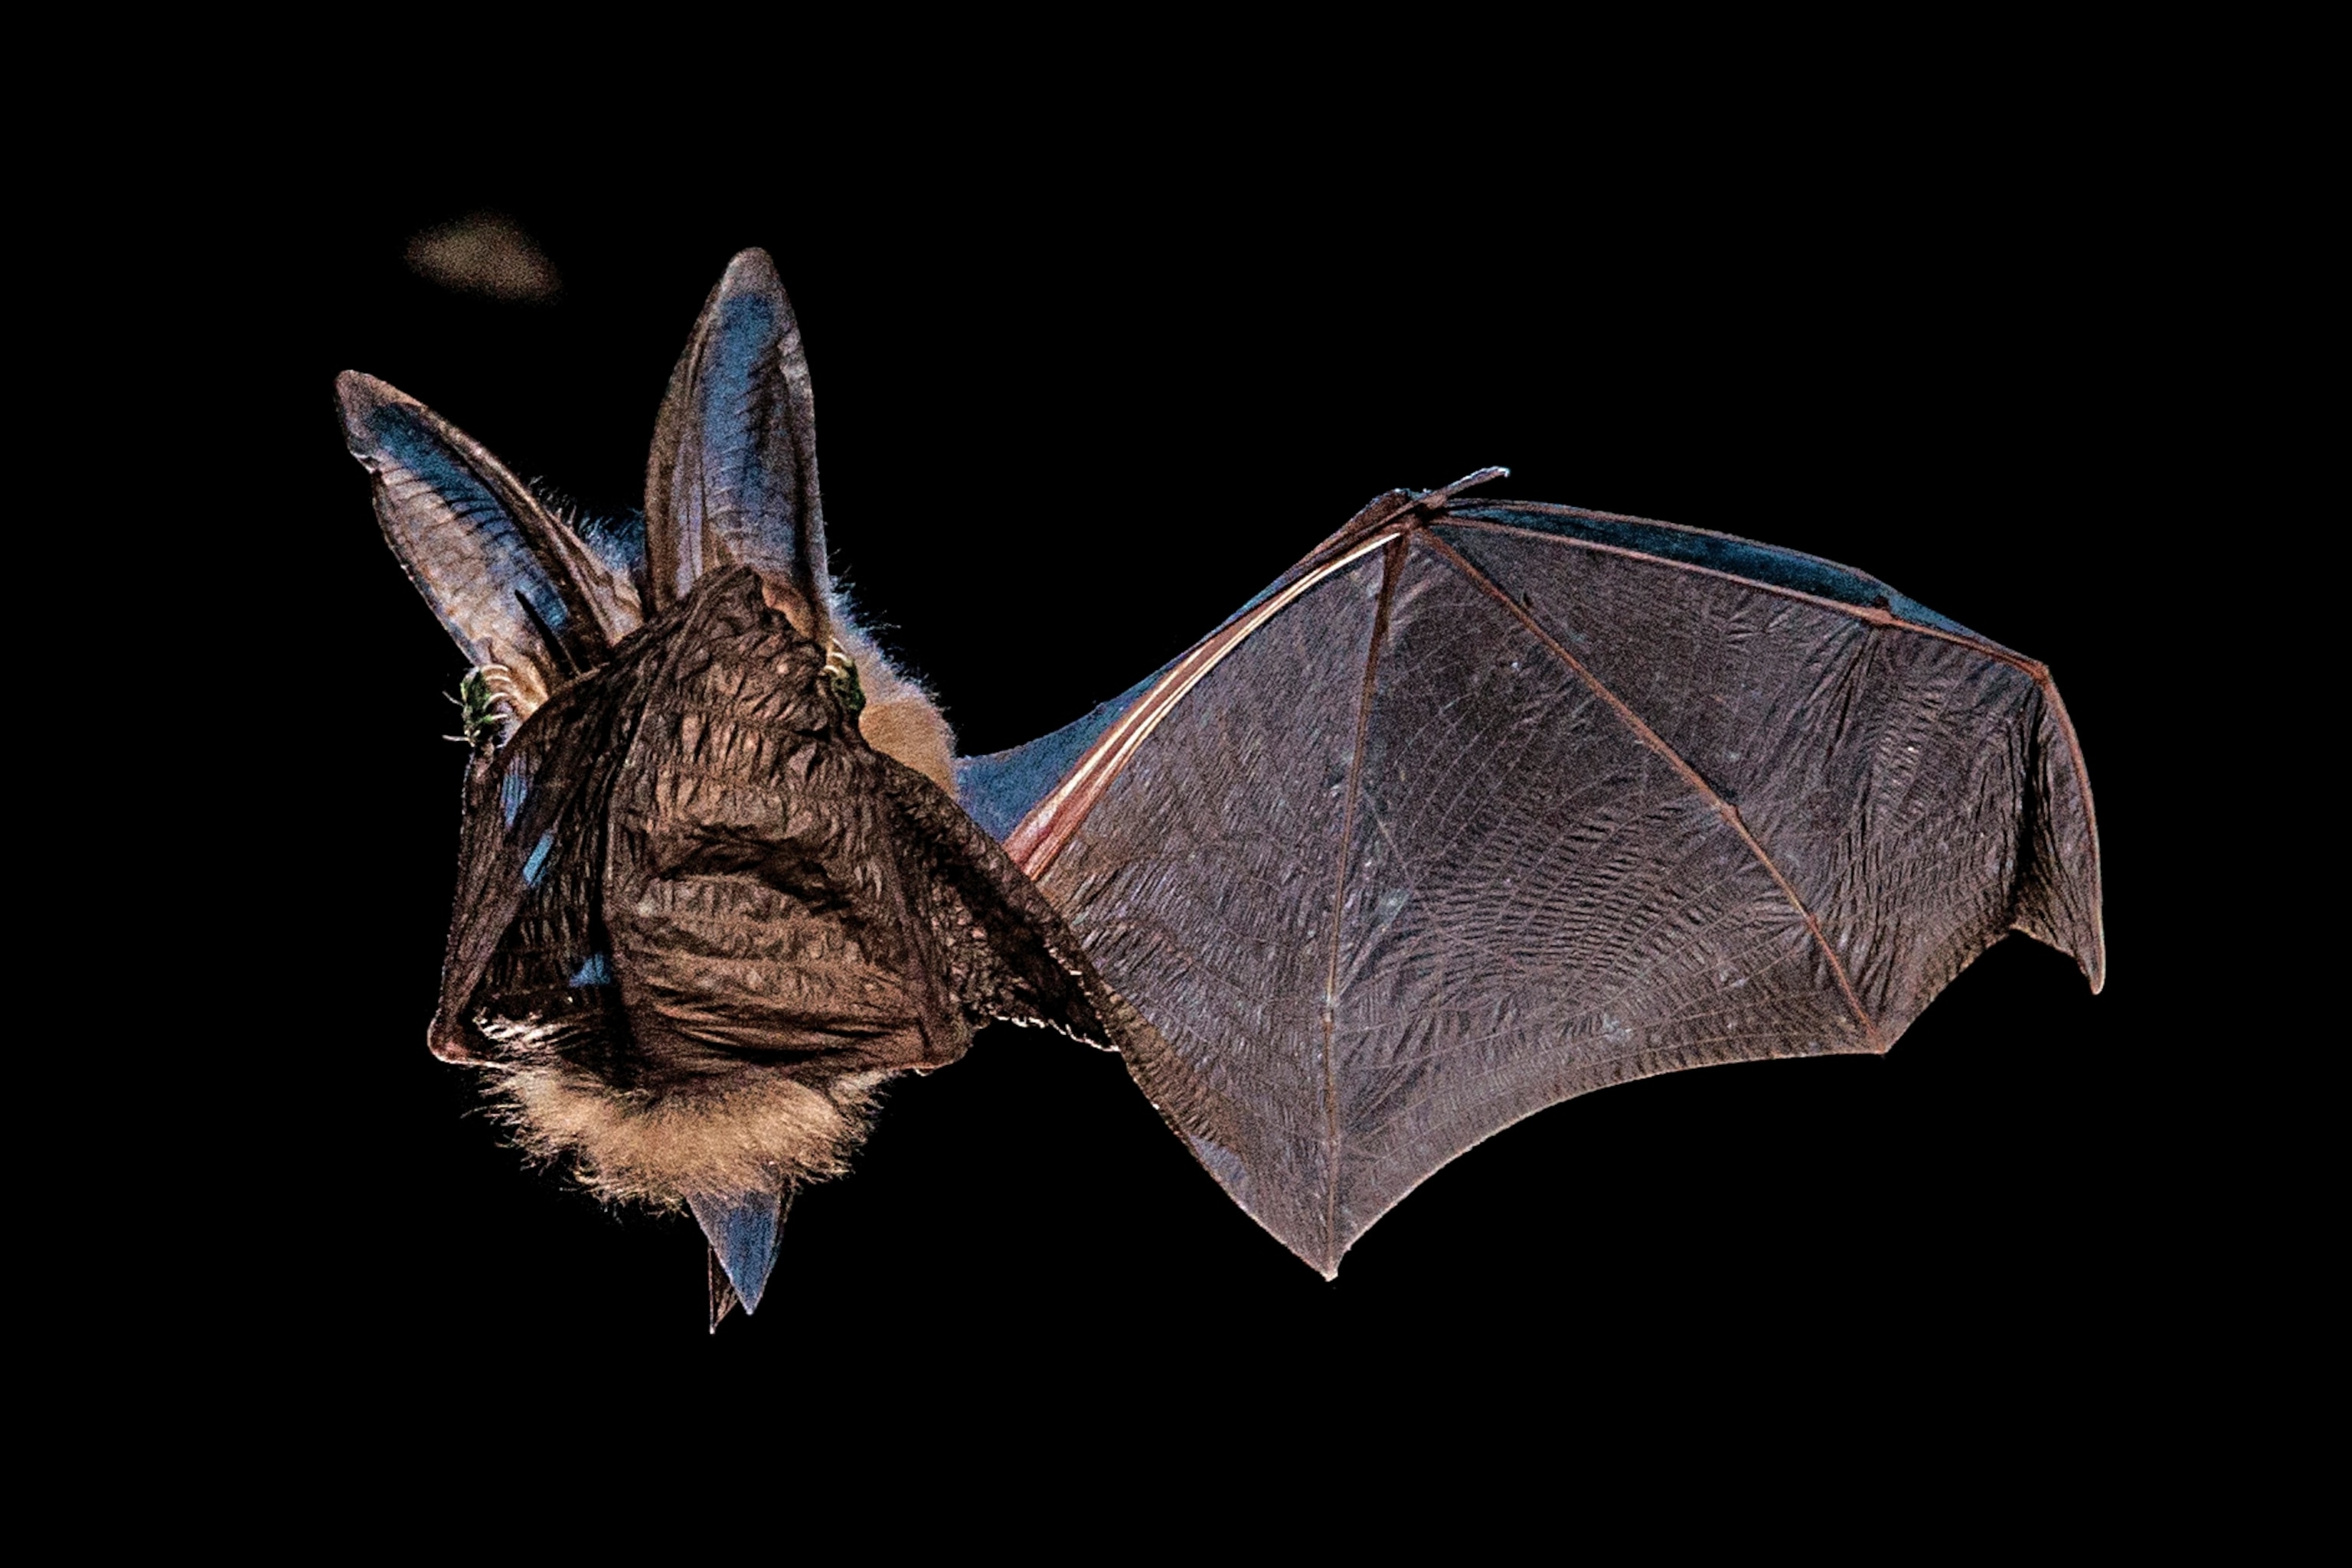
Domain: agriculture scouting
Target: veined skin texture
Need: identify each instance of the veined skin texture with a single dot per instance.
(1503, 802)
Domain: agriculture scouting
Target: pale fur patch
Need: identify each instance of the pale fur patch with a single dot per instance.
(900, 720)
(735, 1137)
(913, 731)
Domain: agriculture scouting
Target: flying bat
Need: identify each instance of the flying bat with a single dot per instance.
(1482, 805)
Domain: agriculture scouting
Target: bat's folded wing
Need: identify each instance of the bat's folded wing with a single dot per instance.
(1484, 805)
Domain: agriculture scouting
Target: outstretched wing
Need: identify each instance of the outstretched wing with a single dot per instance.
(1483, 805)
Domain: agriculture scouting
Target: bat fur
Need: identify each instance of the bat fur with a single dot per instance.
(663, 1149)
(900, 720)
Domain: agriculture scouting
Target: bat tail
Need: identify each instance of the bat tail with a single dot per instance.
(743, 1230)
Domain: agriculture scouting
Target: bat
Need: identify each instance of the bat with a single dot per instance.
(1484, 805)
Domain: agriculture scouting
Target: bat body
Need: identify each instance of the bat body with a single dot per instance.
(1482, 805)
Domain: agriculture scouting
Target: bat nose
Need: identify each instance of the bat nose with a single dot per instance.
(446, 1039)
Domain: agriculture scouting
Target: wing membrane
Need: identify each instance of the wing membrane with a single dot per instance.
(1481, 816)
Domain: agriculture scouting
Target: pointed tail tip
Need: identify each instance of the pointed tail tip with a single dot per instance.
(723, 1299)
(742, 1230)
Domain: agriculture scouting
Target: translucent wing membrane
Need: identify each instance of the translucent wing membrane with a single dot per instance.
(1480, 809)
(1002, 787)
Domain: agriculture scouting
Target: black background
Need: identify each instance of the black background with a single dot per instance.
(1069, 424)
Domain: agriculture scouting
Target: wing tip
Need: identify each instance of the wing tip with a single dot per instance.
(2073, 917)
(1319, 1250)
(1324, 1262)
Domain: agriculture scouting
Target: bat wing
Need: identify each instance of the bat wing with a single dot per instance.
(1483, 805)
(530, 863)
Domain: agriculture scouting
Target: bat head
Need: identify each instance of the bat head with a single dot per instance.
(713, 886)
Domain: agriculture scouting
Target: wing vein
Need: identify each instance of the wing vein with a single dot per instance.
(1053, 822)
(1872, 614)
(1392, 566)
(1674, 759)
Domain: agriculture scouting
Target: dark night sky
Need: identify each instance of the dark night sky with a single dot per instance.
(1065, 428)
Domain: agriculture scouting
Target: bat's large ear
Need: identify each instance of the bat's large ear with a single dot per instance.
(512, 583)
(743, 1232)
(733, 472)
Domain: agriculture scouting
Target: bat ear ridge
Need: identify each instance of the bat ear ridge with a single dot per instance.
(511, 581)
(731, 476)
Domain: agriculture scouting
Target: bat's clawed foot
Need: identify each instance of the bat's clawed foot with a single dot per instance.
(485, 712)
(841, 671)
